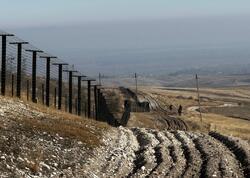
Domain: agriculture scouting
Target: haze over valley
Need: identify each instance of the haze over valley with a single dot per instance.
(149, 47)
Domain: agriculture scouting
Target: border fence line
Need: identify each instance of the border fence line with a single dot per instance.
(27, 70)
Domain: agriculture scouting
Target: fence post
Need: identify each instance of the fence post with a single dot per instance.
(33, 83)
(96, 101)
(79, 93)
(66, 103)
(76, 108)
(79, 97)
(48, 59)
(12, 85)
(70, 91)
(28, 86)
(85, 110)
(19, 67)
(55, 94)
(3, 71)
(89, 96)
(70, 88)
(89, 99)
(60, 66)
(47, 81)
(43, 94)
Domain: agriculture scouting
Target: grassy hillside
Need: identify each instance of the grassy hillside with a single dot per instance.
(38, 141)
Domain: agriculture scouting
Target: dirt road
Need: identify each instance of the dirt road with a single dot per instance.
(162, 113)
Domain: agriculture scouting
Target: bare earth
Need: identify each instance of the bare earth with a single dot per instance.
(36, 142)
(139, 152)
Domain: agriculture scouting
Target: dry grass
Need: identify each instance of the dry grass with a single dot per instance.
(145, 120)
(226, 125)
(211, 98)
(86, 130)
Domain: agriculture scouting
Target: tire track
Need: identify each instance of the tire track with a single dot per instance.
(117, 157)
(127, 155)
(238, 147)
(218, 161)
(177, 154)
(192, 155)
(165, 161)
(173, 123)
(145, 160)
(140, 152)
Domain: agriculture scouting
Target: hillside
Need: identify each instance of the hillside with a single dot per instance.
(36, 141)
(40, 142)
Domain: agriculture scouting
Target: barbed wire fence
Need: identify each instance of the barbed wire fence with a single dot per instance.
(37, 76)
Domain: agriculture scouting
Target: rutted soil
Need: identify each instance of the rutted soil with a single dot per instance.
(63, 149)
(163, 115)
(140, 152)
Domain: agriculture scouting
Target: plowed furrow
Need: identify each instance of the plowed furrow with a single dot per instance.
(146, 159)
(125, 161)
(240, 148)
(192, 155)
(177, 154)
(162, 154)
(120, 162)
(111, 159)
(218, 161)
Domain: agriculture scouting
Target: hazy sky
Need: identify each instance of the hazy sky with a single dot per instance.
(122, 36)
(19, 13)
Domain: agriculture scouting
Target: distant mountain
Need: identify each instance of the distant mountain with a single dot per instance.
(236, 69)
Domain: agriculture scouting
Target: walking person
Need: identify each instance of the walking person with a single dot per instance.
(180, 110)
(171, 107)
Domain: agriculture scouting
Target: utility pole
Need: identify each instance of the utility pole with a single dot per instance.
(198, 94)
(79, 93)
(60, 66)
(19, 67)
(48, 60)
(70, 88)
(89, 95)
(3, 71)
(34, 60)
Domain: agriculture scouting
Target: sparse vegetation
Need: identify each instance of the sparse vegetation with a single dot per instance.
(228, 119)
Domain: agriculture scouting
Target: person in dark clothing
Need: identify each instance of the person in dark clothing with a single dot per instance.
(180, 110)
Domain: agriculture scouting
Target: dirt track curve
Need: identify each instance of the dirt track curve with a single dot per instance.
(139, 152)
(171, 123)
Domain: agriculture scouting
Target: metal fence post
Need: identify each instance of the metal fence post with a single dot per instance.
(3, 71)
(79, 93)
(66, 103)
(60, 66)
(96, 106)
(28, 87)
(43, 94)
(12, 84)
(33, 83)
(70, 88)
(55, 94)
(19, 67)
(89, 96)
(48, 60)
